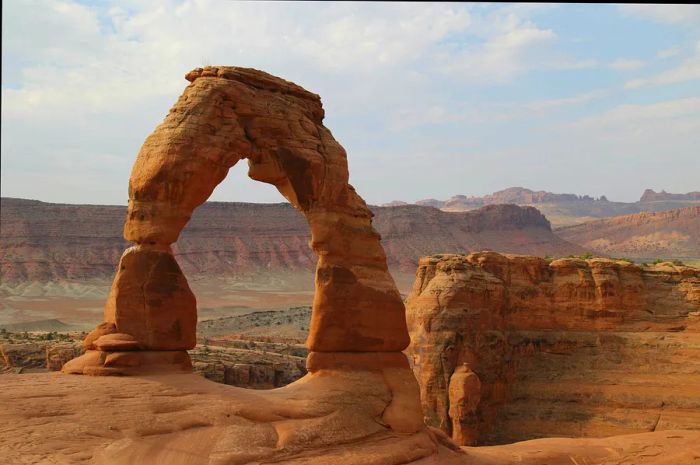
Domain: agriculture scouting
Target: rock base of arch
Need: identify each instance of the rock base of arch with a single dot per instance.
(129, 363)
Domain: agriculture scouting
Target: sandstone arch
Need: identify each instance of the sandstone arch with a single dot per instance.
(224, 115)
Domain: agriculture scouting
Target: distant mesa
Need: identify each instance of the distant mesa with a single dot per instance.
(395, 203)
(567, 209)
(651, 196)
(43, 242)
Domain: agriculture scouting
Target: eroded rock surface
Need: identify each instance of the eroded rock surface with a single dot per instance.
(332, 417)
(569, 348)
(227, 114)
(358, 403)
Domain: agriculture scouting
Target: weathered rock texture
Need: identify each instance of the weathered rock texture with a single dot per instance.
(359, 403)
(46, 242)
(227, 114)
(329, 418)
(45, 354)
(568, 348)
(265, 367)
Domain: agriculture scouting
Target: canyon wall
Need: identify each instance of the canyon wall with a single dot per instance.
(52, 242)
(508, 348)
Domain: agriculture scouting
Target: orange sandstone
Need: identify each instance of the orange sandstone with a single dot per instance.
(227, 114)
(574, 347)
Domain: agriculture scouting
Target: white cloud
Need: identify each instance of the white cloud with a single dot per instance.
(84, 85)
(664, 13)
(668, 52)
(626, 64)
(566, 101)
(625, 114)
(688, 70)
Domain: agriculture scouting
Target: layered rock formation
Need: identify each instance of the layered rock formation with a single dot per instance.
(44, 242)
(227, 114)
(668, 234)
(50, 355)
(359, 387)
(509, 347)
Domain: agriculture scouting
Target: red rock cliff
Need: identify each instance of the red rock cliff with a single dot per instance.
(510, 347)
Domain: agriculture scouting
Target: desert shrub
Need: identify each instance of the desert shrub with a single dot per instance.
(677, 262)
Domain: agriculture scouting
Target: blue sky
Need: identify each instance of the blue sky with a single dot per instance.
(429, 99)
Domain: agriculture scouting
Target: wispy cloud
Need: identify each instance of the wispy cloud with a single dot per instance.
(668, 52)
(688, 70)
(665, 13)
(626, 64)
(406, 86)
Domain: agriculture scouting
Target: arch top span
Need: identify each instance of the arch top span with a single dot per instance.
(224, 115)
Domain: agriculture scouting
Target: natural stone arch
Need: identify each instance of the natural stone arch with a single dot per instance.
(227, 114)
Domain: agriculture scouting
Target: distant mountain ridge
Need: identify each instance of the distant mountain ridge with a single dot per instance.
(51, 242)
(669, 234)
(566, 209)
(650, 196)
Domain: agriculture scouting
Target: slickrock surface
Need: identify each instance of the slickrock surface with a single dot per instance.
(46, 242)
(187, 420)
(343, 417)
(669, 234)
(568, 348)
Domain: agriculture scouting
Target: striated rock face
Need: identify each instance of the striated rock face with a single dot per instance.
(568, 348)
(668, 234)
(46, 354)
(44, 242)
(254, 371)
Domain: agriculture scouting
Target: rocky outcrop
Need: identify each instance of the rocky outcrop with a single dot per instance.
(646, 235)
(45, 242)
(50, 355)
(359, 388)
(569, 347)
(247, 369)
(224, 115)
(650, 195)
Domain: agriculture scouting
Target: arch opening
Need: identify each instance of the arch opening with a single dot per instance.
(225, 115)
